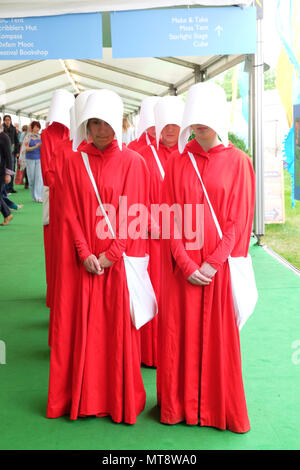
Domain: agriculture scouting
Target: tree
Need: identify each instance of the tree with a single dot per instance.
(270, 79)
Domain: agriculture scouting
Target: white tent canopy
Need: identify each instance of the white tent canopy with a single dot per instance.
(26, 86)
(26, 8)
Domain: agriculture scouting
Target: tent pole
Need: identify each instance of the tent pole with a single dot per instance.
(256, 93)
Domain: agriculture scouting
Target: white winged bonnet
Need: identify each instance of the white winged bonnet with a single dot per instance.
(168, 110)
(72, 122)
(77, 132)
(59, 111)
(205, 104)
(105, 105)
(146, 118)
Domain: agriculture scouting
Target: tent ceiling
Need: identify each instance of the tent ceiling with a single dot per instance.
(26, 87)
(26, 8)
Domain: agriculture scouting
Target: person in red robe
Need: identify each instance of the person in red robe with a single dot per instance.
(146, 126)
(95, 361)
(63, 262)
(168, 113)
(147, 138)
(51, 136)
(199, 376)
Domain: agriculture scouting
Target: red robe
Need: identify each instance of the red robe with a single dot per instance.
(199, 377)
(149, 331)
(137, 145)
(64, 257)
(95, 360)
(50, 137)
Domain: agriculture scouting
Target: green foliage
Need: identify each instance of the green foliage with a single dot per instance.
(270, 79)
(284, 238)
(238, 142)
(226, 83)
(234, 139)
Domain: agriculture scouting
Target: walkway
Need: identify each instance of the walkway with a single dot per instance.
(270, 344)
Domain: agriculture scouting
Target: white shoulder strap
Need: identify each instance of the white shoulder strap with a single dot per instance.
(206, 195)
(160, 167)
(147, 139)
(88, 168)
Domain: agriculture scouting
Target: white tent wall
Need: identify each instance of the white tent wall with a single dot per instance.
(26, 86)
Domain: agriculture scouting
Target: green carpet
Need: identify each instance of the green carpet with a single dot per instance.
(271, 376)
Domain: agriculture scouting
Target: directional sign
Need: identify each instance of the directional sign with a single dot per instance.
(274, 189)
(76, 36)
(297, 150)
(183, 32)
(219, 29)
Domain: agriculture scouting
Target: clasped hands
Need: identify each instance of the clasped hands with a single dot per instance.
(96, 265)
(203, 275)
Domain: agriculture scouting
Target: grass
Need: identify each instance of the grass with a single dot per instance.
(284, 239)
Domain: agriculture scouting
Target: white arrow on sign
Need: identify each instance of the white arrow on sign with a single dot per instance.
(219, 29)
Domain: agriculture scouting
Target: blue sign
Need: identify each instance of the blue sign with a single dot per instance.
(76, 36)
(183, 32)
(297, 150)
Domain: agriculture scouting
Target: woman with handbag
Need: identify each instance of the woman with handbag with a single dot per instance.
(199, 372)
(32, 143)
(95, 360)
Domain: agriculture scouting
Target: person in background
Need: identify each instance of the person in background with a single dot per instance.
(63, 260)
(32, 143)
(21, 165)
(128, 131)
(22, 134)
(11, 131)
(16, 126)
(5, 169)
(55, 133)
(22, 156)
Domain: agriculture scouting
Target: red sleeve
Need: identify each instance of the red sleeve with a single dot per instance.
(179, 253)
(116, 249)
(224, 248)
(184, 262)
(80, 243)
(237, 230)
(50, 138)
(136, 191)
(45, 153)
